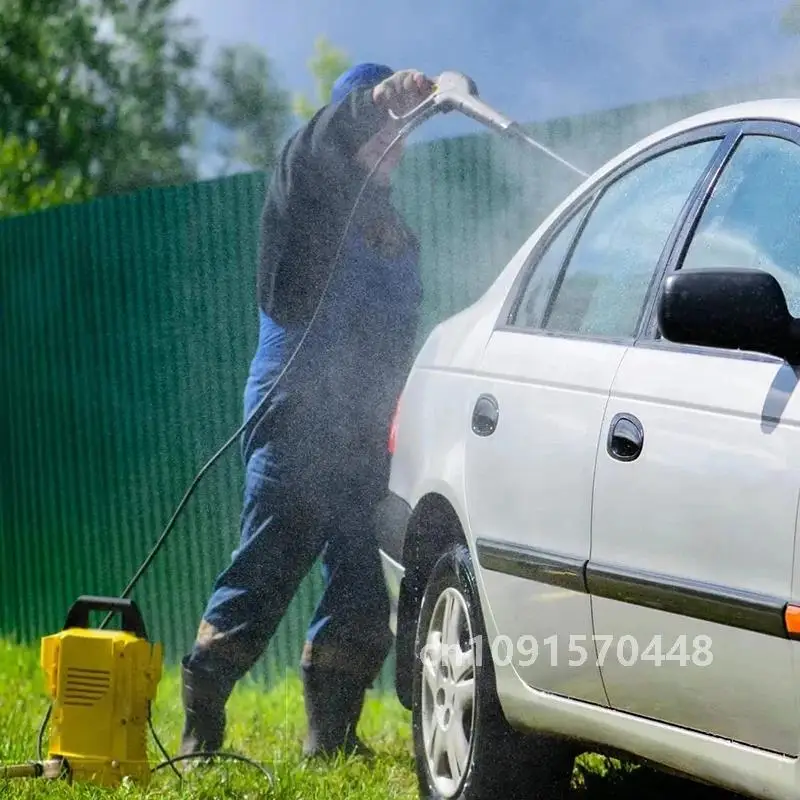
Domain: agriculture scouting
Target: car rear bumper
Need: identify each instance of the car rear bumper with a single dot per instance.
(393, 577)
(391, 526)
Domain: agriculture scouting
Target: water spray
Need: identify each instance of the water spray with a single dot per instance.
(456, 91)
(102, 683)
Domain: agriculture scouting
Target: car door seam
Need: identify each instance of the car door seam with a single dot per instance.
(600, 438)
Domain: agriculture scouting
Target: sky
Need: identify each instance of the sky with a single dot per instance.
(531, 59)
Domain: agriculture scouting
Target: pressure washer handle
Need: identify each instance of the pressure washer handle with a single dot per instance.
(132, 619)
(454, 90)
(445, 84)
(450, 84)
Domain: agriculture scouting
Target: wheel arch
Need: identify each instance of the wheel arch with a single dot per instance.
(433, 528)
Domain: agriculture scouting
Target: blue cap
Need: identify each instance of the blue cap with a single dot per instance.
(358, 77)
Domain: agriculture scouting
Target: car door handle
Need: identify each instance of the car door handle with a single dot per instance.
(625, 438)
(485, 415)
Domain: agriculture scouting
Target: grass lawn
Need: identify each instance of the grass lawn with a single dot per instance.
(268, 727)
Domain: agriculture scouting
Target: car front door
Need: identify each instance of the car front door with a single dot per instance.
(541, 394)
(696, 489)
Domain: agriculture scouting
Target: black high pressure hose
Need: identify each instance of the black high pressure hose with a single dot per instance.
(412, 123)
(453, 91)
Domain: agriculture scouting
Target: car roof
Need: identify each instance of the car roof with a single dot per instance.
(778, 109)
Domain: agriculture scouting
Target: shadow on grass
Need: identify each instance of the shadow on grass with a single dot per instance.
(597, 778)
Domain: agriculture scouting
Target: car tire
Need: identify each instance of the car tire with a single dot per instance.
(463, 746)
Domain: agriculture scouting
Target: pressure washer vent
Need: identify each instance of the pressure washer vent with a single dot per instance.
(85, 687)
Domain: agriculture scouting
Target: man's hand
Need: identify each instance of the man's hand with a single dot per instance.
(403, 91)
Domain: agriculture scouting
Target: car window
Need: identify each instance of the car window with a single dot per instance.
(606, 281)
(752, 219)
(533, 302)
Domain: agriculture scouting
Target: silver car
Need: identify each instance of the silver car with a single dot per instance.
(590, 532)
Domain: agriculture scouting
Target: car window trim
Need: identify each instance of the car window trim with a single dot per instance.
(586, 212)
(514, 298)
(648, 335)
(721, 131)
(551, 300)
(567, 260)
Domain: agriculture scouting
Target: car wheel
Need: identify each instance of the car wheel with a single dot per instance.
(464, 748)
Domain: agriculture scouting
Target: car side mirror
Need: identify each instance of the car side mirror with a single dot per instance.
(739, 309)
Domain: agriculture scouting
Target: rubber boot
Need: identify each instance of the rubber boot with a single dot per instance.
(204, 702)
(333, 702)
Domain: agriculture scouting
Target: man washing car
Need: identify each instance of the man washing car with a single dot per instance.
(316, 461)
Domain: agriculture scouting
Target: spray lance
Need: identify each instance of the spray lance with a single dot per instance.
(80, 748)
(455, 91)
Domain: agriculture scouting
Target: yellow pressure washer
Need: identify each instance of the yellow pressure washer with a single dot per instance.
(101, 684)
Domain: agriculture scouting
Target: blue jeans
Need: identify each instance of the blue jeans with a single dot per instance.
(310, 490)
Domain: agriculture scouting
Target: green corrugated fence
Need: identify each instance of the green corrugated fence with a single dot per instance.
(126, 329)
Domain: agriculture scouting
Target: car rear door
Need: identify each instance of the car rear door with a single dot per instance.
(539, 405)
(697, 485)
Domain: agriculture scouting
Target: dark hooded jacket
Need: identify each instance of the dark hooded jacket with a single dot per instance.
(310, 195)
(352, 366)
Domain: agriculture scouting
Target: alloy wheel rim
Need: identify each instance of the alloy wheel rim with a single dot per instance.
(448, 692)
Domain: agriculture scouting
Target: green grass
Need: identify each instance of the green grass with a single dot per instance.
(268, 727)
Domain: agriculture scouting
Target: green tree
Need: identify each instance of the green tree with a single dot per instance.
(112, 90)
(249, 104)
(26, 184)
(327, 63)
(106, 88)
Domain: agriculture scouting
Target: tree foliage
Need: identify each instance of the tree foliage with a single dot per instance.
(247, 101)
(109, 96)
(26, 184)
(327, 63)
(113, 91)
(106, 88)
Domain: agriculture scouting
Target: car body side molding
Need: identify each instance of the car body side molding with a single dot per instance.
(708, 602)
